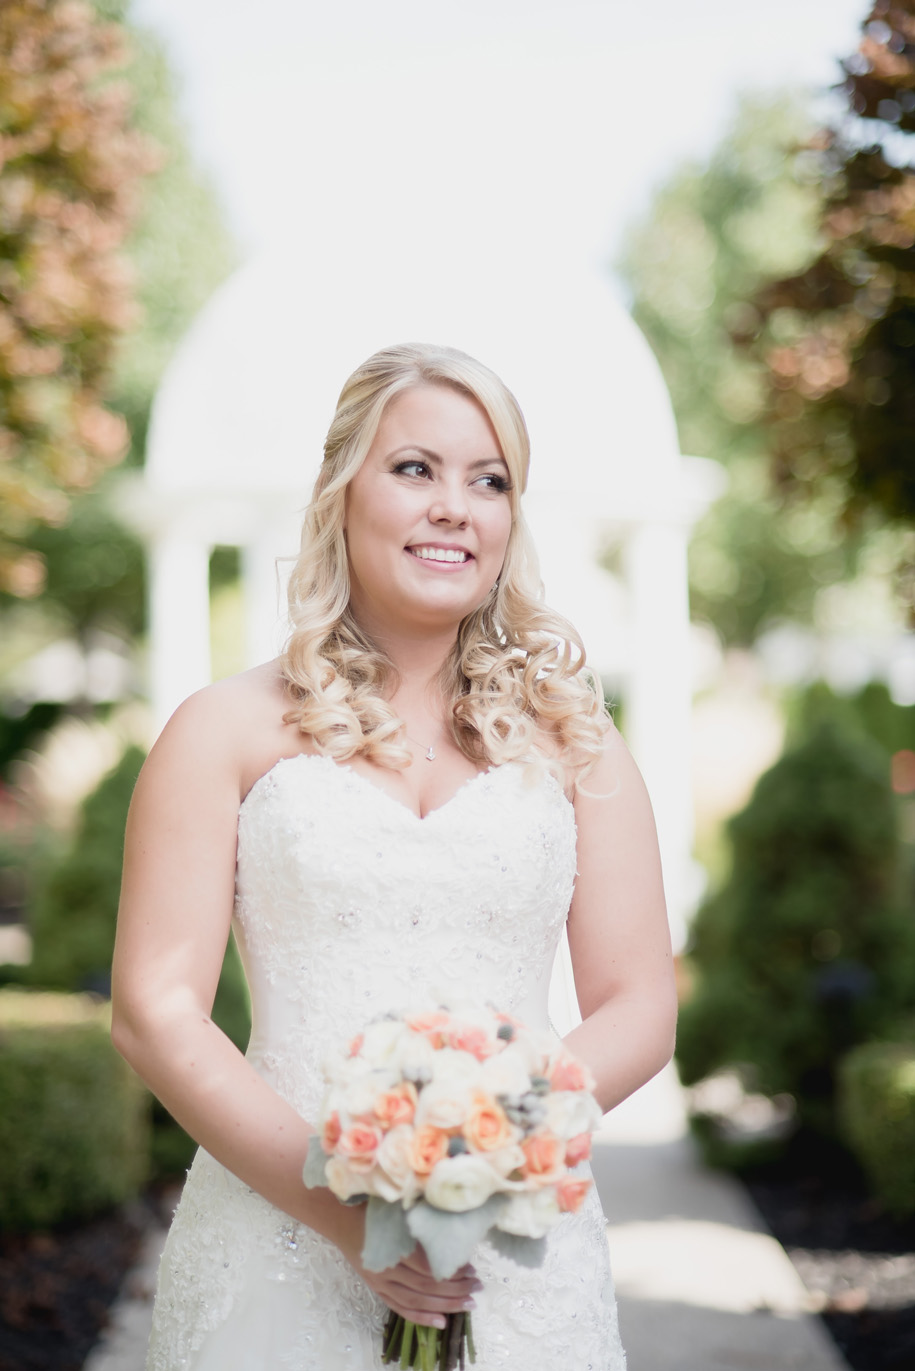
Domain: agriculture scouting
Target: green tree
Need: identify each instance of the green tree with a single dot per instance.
(713, 236)
(837, 337)
(71, 166)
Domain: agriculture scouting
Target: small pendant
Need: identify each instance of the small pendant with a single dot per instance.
(430, 755)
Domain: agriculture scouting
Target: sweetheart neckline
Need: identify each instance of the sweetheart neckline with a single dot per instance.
(348, 770)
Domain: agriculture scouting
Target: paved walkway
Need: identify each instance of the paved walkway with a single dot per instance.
(702, 1286)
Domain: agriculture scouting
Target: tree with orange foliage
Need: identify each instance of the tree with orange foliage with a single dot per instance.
(71, 167)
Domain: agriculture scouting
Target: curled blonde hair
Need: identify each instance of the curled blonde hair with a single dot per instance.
(515, 680)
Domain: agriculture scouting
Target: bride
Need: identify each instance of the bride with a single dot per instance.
(410, 803)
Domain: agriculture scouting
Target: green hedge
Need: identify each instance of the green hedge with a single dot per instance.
(876, 1104)
(74, 1122)
(809, 948)
(75, 905)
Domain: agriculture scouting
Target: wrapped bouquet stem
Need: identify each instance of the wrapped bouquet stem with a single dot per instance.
(453, 1127)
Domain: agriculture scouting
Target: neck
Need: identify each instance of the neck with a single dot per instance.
(417, 657)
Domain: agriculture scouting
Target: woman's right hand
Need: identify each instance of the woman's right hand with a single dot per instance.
(409, 1288)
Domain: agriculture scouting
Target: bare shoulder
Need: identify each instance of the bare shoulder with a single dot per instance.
(613, 777)
(232, 729)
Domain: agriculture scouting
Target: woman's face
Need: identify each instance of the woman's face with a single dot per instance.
(428, 514)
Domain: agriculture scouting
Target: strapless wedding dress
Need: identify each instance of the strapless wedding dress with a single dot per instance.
(348, 905)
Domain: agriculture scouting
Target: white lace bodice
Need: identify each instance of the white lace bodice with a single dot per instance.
(347, 905)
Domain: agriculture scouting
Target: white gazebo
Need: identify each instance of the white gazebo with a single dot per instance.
(236, 437)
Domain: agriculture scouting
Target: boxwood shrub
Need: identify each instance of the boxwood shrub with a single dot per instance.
(808, 949)
(876, 1105)
(74, 1122)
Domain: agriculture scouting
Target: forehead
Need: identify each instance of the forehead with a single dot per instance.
(440, 418)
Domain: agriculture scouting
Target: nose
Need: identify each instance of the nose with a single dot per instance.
(449, 504)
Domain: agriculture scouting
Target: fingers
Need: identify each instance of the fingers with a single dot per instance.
(412, 1291)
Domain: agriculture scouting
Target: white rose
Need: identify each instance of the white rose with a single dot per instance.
(380, 1041)
(530, 1214)
(505, 1160)
(443, 1104)
(344, 1182)
(506, 1073)
(452, 1067)
(413, 1056)
(460, 1183)
(394, 1178)
(570, 1112)
(360, 1096)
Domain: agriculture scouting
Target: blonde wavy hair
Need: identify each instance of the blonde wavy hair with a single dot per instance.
(516, 680)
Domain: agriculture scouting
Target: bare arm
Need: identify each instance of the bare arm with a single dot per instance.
(618, 932)
(173, 925)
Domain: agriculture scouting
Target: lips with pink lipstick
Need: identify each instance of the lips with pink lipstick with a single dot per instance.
(440, 554)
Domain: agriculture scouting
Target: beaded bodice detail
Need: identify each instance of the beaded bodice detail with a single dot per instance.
(347, 905)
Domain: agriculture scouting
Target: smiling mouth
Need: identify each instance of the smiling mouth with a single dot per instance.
(439, 554)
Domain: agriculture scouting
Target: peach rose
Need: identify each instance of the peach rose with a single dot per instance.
(487, 1127)
(470, 1038)
(578, 1149)
(429, 1146)
(358, 1145)
(332, 1131)
(430, 1025)
(571, 1193)
(569, 1074)
(542, 1156)
(355, 1046)
(396, 1106)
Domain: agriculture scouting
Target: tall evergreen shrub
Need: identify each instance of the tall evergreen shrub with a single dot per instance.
(808, 948)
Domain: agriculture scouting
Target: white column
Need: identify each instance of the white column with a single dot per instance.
(658, 700)
(264, 576)
(179, 620)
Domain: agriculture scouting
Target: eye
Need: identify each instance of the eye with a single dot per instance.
(494, 480)
(413, 467)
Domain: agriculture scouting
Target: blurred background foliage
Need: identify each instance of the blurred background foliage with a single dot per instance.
(163, 249)
(111, 240)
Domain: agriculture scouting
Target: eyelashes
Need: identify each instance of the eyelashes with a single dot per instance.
(494, 479)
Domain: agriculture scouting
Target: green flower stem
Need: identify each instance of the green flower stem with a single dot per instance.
(406, 1346)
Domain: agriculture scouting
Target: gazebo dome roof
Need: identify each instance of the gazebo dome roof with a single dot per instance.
(248, 396)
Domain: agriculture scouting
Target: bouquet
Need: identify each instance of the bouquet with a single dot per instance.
(452, 1127)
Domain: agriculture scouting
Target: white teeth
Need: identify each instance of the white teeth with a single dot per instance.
(440, 554)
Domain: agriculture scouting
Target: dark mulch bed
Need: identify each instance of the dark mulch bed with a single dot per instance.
(857, 1261)
(56, 1287)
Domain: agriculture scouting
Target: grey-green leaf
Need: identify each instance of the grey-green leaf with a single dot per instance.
(313, 1173)
(524, 1251)
(448, 1238)
(387, 1237)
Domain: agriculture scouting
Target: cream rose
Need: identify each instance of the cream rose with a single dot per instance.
(506, 1073)
(394, 1179)
(530, 1214)
(460, 1183)
(570, 1112)
(360, 1096)
(381, 1040)
(344, 1182)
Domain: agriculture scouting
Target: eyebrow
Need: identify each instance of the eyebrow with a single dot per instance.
(436, 460)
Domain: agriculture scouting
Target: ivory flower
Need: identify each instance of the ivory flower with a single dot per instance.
(530, 1213)
(394, 1179)
(460, 1183)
